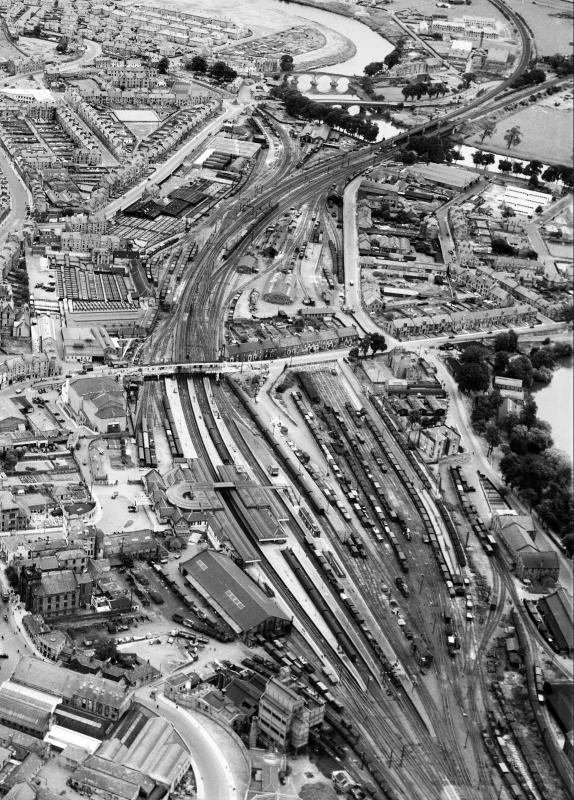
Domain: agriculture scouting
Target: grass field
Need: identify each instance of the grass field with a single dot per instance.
(552, 34)
(546, 135)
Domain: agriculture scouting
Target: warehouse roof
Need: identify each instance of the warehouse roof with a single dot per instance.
(157, 751)
(559, 606)
(230, 590)
(54, 680)
(22, 714)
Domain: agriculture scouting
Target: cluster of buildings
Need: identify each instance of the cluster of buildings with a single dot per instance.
(85, 716)
(493, 277)
(269, 711)
(169, 32)
(179, 502)
(284, 346)
(530, 563)
(481, 45)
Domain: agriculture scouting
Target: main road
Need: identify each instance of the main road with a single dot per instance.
(217, 775)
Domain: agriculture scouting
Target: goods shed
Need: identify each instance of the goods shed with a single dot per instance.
(234, 596)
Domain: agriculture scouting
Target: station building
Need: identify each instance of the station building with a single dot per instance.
(234, 596)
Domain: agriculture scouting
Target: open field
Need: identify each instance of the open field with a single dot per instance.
(553, 34)
(546, 135)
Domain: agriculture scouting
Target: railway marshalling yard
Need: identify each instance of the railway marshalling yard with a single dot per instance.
(294, 529)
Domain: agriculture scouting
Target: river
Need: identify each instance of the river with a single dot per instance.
(370, 45)
(270, 16)
(556, 406)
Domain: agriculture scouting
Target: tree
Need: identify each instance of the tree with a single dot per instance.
(365, 343)
(521, 368)
(484, 409)
(477, 157)
(504, 165)
(487, 158)
(474, 353)
(533, 167)
(513, 136)
(501, 359)
(286, 63)
(492, 436)
(473, 377)
(197, 64)
(106, 650)
(37, 30)
(414, 416)
(163, 65)
(517, 167)
(62, 46)
(488, 130)
(374, 68)
(378, 343)
(543, 357)
(551, 174)
(507, 341)
(354, 354)
(528, 414)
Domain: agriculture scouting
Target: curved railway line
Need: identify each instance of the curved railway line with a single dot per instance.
(282, 187)
(197, 323)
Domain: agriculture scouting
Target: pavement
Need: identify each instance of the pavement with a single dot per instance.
(220, 771)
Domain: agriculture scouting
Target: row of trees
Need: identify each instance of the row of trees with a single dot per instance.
(389, 61)
(560, 64)
(297, 105)
(529, 78)
(423, 87)
(218, 71)
(435, 148)
(534, 169)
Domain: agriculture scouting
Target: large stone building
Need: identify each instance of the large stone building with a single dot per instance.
(100, 402)
(57, 593)
(100, 697)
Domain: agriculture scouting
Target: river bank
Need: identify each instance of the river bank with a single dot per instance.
(375, 19)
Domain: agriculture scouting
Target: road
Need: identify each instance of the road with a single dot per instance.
(19, 199)
(213, 773)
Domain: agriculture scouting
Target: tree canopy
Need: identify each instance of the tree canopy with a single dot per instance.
(297, 105)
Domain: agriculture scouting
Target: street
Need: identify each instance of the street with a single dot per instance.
(216, 778)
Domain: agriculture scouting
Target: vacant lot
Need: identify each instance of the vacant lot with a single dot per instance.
(546, 135)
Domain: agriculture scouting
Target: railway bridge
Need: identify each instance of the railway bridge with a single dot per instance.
(156, 371)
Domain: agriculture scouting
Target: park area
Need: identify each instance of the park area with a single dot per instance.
(546, 134)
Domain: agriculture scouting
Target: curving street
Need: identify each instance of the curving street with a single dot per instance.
(217, 765)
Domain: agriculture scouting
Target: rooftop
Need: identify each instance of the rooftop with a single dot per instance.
(240, 601)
